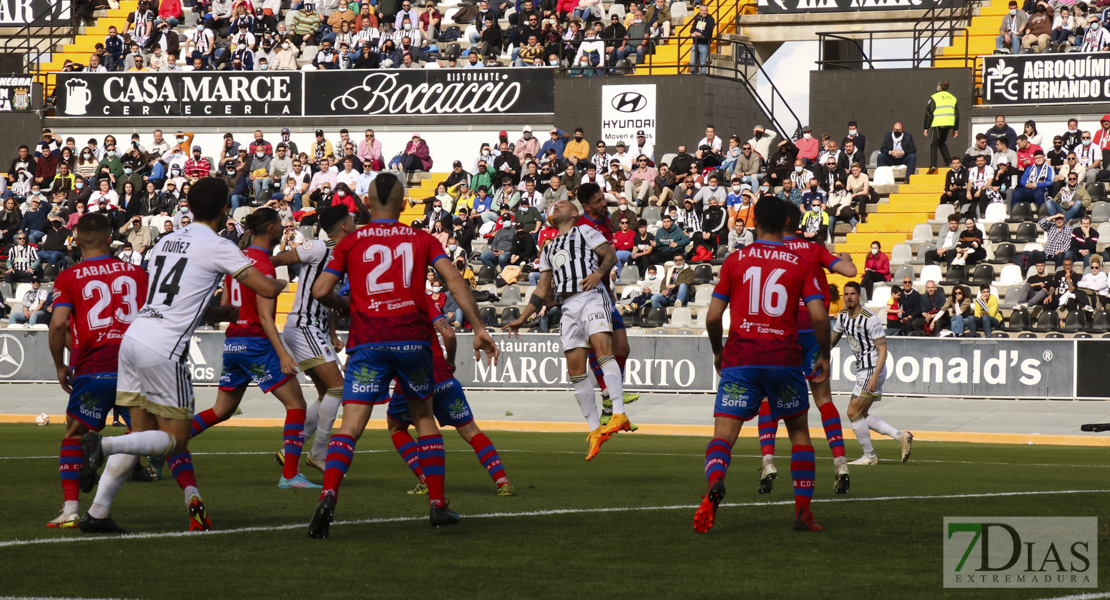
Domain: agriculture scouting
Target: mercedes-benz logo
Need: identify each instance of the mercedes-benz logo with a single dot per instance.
(629, 102)
(11, 355)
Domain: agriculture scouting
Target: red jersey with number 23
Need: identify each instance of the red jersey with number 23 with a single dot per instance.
(762, 284)
(386, 263)
(249, 325)
(818, 256)
(104, 295)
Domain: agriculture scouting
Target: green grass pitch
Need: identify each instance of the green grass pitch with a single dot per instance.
(618, 527)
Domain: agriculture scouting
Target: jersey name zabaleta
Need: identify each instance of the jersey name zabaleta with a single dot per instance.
(762, 284)
(185, 268)
(104, 295)
(248, 324)
(386, 263)
(818, 256)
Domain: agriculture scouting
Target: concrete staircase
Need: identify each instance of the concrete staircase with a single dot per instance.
(892, 222)
(674, 57)
(85, 43)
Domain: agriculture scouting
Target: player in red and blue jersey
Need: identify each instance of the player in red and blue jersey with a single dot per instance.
(595, 214)
(390, 338)
(761, 285)
(94, 304)
(451, 410)
(819, 256)
(254, 354)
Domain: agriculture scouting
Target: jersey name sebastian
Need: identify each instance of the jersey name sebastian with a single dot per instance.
(386, 263)
(249, 325)
(819, 257)
(104, 295)
(762, 284)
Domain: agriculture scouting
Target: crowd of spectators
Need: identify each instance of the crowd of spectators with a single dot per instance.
(1044, 26)
(586, 36)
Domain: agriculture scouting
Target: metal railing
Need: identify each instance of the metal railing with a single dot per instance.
(937, 28)
(42, 36)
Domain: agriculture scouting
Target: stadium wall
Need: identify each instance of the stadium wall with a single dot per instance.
(877, 98)
(985, 368)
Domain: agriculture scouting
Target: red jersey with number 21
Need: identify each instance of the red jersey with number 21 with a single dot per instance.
(819, 257)
(104, 295)
(386, 263)
(762, 284)
(248, 324)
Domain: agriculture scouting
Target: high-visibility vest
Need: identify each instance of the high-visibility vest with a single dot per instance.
(944, 115)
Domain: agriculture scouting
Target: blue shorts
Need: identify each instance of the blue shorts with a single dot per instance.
(618, 320)
(811, 351)
(448, 403)
(251, 360)
(371, 370)
(93, 398)
(742, 389)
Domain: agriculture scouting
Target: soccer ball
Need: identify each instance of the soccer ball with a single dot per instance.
(42, 419)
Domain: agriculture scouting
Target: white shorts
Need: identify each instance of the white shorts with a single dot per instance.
(154, 383)
(308, 345)
(862, 377)
(585, 314)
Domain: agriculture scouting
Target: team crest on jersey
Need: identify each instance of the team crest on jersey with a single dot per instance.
(560, 258)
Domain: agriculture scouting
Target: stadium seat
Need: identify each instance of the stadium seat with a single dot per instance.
(930, 273)
(1019, 321)
(655, 317)
(703, 274)
(486, 275)
(453, 50)
(883, 175)
(651, 214)
(999, 232)
(922, 250)
(1100, 323)
(1009, 297)
(1027, 335)
(679, 10)
(1100, 212)
(882, 295)
(1003, 254)
(618, 10)
(1073, 322)
(1021, 212)
(923, 232)
(510, 295)
(1047, 321)
(241, 213)
(999, 334)
(1104, 231)
(702, 296)
(629, 274)
(1026, 233)
(1082, 336)
(49, 272)
(488, 315)
(1054, 336)
(983, 274)
(702, 314)
(957, 274)
(667, 159)
(431, 65)
(307, 232)
(509, 314)
(901, 254)
(996, 212)
(941, 216)
(1097, 191)
(1011, 275)
(681, 317)
(623, 66)
(901, 273)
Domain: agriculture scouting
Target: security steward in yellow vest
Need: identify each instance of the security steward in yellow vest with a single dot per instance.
(941, 116)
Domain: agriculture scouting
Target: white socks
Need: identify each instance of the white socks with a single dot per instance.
(584, 394)
(140, 443)
(325, 420)
(311, 414)
(69, 507)
(191, 491)
(863, 436)
(613, 382)
(115, 473)
(882, 426)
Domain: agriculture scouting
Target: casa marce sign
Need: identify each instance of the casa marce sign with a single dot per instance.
(828, 6)
(401, 92)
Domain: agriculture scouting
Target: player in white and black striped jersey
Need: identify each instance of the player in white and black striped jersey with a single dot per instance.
(309, 333)
(867, 339)
(572, 267)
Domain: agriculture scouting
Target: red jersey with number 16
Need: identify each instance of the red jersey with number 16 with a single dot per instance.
(819, 257)
(105, 294)
(248, 325)
(762, 284)
(386, 263)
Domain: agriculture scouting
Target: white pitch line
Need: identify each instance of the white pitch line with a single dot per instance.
(1092, 596)
(702, 455)
(534, 513)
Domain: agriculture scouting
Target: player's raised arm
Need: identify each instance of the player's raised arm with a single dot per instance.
(460, 291)
(264, 286)
(59, 327)
(283, 259)
(608, 260)
(450, 341)
(844, 266)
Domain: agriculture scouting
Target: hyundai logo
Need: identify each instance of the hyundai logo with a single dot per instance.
(629, 102)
